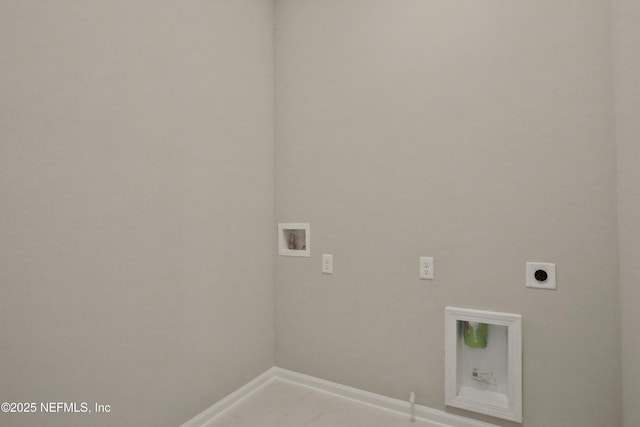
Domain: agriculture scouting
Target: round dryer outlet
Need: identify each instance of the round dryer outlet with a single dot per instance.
(541, 275)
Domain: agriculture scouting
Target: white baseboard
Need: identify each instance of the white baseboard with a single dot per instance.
(211, 413)
(423, 413)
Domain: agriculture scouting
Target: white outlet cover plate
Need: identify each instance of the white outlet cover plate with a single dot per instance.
(327, 263)
(426, 267)
(531, 281)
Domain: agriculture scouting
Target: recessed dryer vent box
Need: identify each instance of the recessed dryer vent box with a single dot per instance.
(294, 239)
(483, 370)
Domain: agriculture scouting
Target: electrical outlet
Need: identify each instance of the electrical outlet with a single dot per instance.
(541, 275)
(327, 263)
(426, 267)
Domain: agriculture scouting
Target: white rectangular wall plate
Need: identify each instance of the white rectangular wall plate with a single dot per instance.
(426, 267)
(327, 263)
(541, 275)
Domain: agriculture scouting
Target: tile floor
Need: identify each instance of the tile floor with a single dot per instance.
(283, 404)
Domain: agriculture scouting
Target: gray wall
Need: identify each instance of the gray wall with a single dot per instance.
(128, 130)
(479, 133)
(627, 89)
(136, 166)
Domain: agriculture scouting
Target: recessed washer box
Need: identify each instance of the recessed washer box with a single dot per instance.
(483, 359)
(294, 239)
